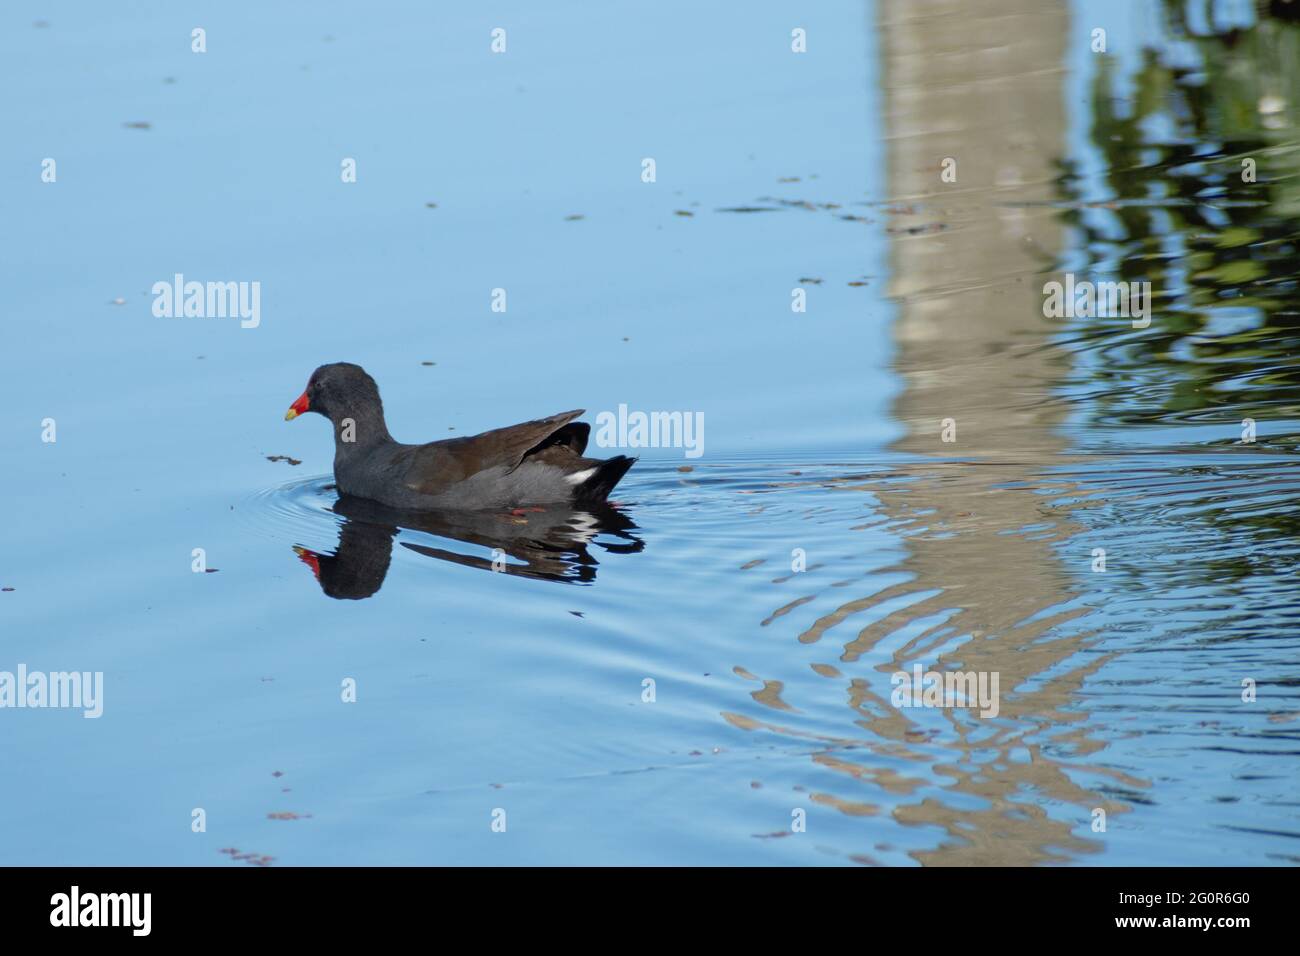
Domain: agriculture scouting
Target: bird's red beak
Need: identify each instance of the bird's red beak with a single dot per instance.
(309, 558)
(297, 408)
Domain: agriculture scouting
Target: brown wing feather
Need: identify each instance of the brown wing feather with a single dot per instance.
(437, 465)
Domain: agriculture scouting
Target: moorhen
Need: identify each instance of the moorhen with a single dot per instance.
(533, 463)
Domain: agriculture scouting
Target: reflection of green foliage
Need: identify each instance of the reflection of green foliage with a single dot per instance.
(1222, 254)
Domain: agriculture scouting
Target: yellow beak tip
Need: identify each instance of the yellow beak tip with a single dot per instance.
(290, 415)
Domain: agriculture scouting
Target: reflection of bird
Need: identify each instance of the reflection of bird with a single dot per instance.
(537, 462)
(543, 543)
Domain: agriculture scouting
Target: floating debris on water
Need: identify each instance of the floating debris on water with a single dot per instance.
(253, 859)
(925, 230)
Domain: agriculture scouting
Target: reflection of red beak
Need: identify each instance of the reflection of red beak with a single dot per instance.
(309, 558)
(297, 408)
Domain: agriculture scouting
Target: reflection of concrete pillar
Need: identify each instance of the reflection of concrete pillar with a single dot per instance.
(979, 82)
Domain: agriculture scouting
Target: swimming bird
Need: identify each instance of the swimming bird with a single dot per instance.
(530, 464)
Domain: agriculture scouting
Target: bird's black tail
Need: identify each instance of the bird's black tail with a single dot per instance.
(608, 474)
